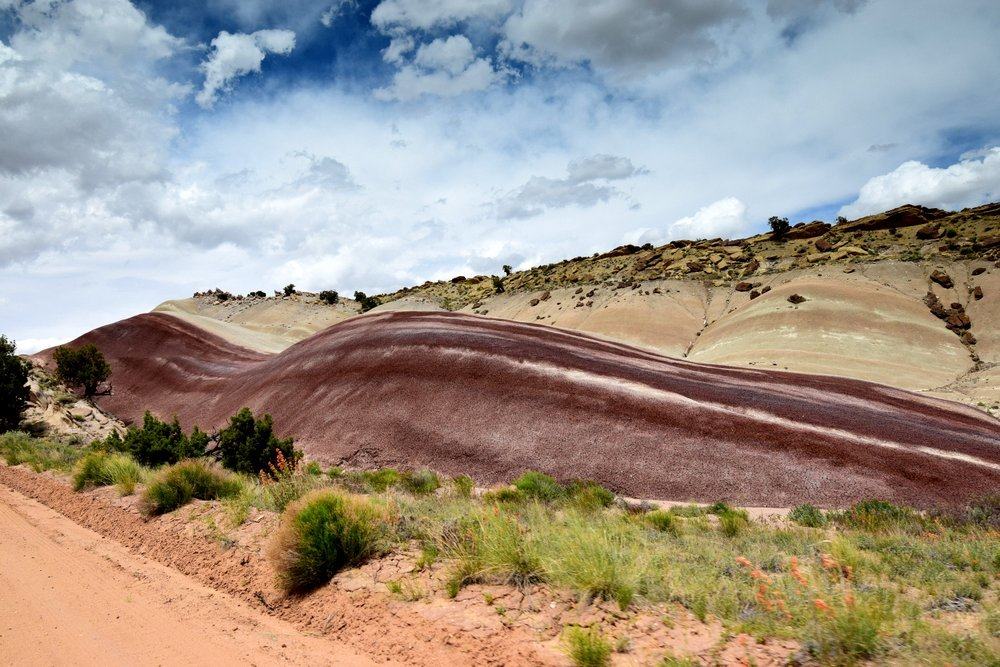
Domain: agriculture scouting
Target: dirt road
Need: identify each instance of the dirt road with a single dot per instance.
(70, 596)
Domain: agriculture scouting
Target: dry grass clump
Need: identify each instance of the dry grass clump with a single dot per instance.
(325, 531)
(179, 484)
(105, 469)
(19, 448)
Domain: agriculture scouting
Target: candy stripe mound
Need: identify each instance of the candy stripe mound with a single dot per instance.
(492, 398)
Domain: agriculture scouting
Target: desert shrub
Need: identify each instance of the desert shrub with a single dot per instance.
(779, 227)
(491, 546)
(248, 445)
(498, 287)
(850, 634)
(98, 468)
(463, 486)
(733, 522)
(507, 269)
(329, 296)
(586, 647)
(589, 495)
(82, 366)
(808, 515)
(599, 555)
(288, 290)
(366, 302)
(420, 482)
(505, 495)
(183, 482)
(17, 448)
(13, 386)
(324, 532)
(663, 521)
(878, 516)
(286, 481)
(157, 442)
(538, 485)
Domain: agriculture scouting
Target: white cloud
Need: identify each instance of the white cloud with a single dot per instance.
(969, 182)
(445, 67)
(236, 55)
(336, 10)
(427, 14)
(585, 185)
(32, 345)
(725, 218)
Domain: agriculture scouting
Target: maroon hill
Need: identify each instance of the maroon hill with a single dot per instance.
(493, 398)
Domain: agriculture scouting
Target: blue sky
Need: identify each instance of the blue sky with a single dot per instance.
(154, 149)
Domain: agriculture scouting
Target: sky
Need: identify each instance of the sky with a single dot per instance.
(152, 149)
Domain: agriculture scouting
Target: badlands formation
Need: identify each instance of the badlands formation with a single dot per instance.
(661, 372)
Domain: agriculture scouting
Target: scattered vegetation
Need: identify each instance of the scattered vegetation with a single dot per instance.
(179, 484)
(19, 448)
(288, 290)
(586, 647)
(366, 302)
(808, 515)
(248, 444)
(324, 532)
(497, 284)
(13, 385)
(83, 366)
(98, 468)
(779, 227)
(157, 442)
(329, 297)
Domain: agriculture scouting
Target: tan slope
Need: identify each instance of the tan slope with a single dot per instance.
(265, 325)
(869, 324)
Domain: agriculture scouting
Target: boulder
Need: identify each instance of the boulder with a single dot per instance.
(693, 267)
(546, 295)
(904, 216)
(743, 287)
(929, 231)
(968, 338)
(977, 293)
(808, 230)
(754, 294)
(979, 271)
(797, 299)
(942, 279)
(823, 245)
(533, 302)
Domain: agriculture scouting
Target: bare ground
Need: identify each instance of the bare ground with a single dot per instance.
(71, 596)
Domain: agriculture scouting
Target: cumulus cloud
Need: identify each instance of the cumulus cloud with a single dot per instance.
(966, 183)
(725, 218)
(236, 55)
(427, 14)
(445, 67)
(623, 37)
(586, 184)
(336, 10)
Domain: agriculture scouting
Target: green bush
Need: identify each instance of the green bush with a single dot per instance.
(82, 366)
(505, 495)
(329, 296)
(733, 522)
(158, 443)
(98, 468)
(663, 521)
(248, 445)
(589, 495)
(779, 227)
(377, 481)
(540, 486)
(463, 486)
(13, 386)
(586, 647)
(421, 482)
(289, 290)
(324, 532)
(183, 482)
(366, 302)
(879, 516)
(808, 515)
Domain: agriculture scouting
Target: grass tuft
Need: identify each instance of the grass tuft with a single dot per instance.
(182, 482)
(587, 647)
(808, 515)
(539, 486)
(323, 532)
(97, 469)
(421, 482)
(663, 521)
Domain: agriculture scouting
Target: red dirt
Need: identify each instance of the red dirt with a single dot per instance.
(493, 398)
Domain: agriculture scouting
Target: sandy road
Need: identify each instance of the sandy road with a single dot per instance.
(70, 596)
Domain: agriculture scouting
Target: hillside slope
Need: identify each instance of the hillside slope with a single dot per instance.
(492, 398)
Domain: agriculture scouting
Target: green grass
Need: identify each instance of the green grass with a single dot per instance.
(586, 647)
(420, 482)
(176, 485)
(539, 486)
(324, 532)
(808, 515)
(98, 468)
(18, 448)
(663, 521)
